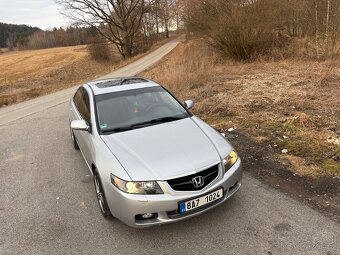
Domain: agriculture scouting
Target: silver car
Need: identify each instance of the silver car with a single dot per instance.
(153, 161)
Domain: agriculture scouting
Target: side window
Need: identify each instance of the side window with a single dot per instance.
(86, 106)
(77, 98)
(82, 102)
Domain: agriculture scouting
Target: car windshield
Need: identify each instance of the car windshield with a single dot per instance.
(131, 109)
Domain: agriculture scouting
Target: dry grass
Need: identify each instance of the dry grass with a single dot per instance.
(3, 50)
(31, 73)
(267, 101)
(27, 74)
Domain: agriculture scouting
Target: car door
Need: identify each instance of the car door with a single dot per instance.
(82, 111)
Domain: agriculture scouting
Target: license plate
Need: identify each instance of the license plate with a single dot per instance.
(200, 201)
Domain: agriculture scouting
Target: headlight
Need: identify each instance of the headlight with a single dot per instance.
(230, 160)
(149, 187)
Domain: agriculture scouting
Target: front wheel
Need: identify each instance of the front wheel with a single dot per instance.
(104, 208)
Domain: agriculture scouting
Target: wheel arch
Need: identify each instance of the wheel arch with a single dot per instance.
(93, 168)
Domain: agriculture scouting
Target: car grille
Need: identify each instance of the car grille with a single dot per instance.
(185, 183)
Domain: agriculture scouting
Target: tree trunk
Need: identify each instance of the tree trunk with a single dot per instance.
(316, 29)
(127, 48)
(166, 29)
(157, 27)
(166, 18)
(327, 27)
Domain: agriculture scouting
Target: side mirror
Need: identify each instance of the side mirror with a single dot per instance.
(188, 104)
(80, 125)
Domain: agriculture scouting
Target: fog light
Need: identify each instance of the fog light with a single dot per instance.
(147, 215)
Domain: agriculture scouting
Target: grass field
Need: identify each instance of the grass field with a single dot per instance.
(31, 73)
(27, 74)
(288, 104)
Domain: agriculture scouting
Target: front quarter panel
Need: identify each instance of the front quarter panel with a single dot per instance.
(100, 156)
(106, 164)
(222, 145)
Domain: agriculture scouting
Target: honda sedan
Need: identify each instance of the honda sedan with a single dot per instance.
(153, 161)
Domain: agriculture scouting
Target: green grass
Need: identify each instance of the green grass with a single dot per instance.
(304, 144)
(331, 167)
(306, 148)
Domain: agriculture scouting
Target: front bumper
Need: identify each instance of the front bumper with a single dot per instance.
(125, 206)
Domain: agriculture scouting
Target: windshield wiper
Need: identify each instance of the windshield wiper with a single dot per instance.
(156, 121)
(116, 130)
(142, 124)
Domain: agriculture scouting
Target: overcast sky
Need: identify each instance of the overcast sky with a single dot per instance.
(39, 13)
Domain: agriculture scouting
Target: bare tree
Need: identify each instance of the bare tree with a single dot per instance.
(116, 20)
(177, 10)
(10, 41)
(166, 13)
(316, 28)
(327, 27)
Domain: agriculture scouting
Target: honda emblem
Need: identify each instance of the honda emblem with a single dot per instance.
(198, 181)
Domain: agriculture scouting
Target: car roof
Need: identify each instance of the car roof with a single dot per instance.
(119, 84)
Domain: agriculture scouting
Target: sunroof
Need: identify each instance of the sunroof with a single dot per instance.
(117, 82)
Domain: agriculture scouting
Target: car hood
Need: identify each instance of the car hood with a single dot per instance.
(163, 151)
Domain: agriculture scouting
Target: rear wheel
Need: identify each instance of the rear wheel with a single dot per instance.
(104, 208)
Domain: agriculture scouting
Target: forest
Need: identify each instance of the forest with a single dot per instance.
(11, 35)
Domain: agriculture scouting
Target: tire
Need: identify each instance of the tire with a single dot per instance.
(103, 206)
(74, 140)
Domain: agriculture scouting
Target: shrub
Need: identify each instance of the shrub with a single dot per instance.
(247, 29)
(101, 52)
(242, 42)
(239, 31)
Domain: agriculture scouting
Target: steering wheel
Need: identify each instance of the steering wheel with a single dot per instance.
(154, 106)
